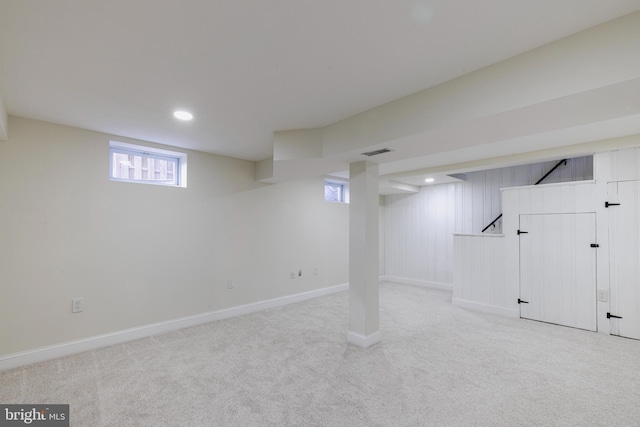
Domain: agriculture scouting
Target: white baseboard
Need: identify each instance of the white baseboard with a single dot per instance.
(492, 309)
(417, 282)
(42, 354)
(364, 341)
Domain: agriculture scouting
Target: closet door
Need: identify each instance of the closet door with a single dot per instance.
(558, 269)
(624, 258)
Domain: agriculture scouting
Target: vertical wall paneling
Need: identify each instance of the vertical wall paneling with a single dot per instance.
(617, 172)
(624, 226)
(479, 198)
(418, 230)
(625, 165)
(418, 227)
(563, 198)
(381, 212)
(603, 173)
(558, 269)
(479, 273)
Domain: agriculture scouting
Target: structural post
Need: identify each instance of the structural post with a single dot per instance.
(364, 330)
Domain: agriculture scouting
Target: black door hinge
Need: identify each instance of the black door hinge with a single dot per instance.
(522, 232)
(595, 245)
(611, 316)
(522, 302)
(607, 204)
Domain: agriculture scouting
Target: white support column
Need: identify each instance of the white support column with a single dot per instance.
(364, 306)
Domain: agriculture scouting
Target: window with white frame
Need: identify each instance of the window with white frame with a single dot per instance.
(336, 191)
(146, 165)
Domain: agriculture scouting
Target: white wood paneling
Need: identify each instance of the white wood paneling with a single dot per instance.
(615, 171)
(479, 279)
(624, 166)
(558, 269)
(624, 226)
(479, 197)
(570, 197)
(418, 229)
(574, 197)
(603, 173)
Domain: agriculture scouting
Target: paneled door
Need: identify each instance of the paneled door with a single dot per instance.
(558, 269)
(624, 257)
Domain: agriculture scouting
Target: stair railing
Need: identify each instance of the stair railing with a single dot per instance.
(537, 182)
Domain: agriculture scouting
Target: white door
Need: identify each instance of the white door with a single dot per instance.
(558, 269)
(624, 258)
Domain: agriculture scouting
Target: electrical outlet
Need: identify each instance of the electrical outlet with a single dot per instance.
(231, 283)
(293, 275)
(299, 273)
(603, 295)
(77, 305)
(316, 271)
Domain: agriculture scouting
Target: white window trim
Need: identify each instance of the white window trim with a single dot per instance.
(150, 152)
(345, 188)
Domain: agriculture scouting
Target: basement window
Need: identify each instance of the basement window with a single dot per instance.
(146, 165)
(336, 191)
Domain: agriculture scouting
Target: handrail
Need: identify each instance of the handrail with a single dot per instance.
(492, 222)
(537, 182)
(552, 169)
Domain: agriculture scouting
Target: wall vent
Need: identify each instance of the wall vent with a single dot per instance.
(376, 152)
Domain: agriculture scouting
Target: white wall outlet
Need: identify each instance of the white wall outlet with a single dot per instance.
(77, 305)
(316, 271)
(292, 275)
(603, 295)
(231, 283)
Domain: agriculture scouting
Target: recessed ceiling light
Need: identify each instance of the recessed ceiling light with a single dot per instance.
(429, 180)
(182, 115)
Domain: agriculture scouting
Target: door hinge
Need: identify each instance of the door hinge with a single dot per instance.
(522, 232)
(607, 204)
(611, 316)
(522, 302)
(595, 245)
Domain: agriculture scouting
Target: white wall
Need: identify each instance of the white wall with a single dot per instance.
(479, 274)
(418, 228)
(611, 166)
(141, 254)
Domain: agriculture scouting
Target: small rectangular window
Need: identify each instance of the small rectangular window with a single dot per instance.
(133, 163)
(335, 191)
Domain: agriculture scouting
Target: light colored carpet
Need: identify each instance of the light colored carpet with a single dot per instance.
(438, 365)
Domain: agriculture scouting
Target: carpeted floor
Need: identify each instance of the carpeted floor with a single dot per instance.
(438, 365)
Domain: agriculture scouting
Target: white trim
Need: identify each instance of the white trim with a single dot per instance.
(362, 340)
(417, 282)
(478, 235)
(553, 184)
(138, 147)
(42, 354)
(485, 308)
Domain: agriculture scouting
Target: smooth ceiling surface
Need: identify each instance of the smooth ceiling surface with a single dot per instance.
(247, 68)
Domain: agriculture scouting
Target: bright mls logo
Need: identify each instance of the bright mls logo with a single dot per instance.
(36, 415)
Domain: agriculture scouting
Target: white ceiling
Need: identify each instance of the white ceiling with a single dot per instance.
(247, 68)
